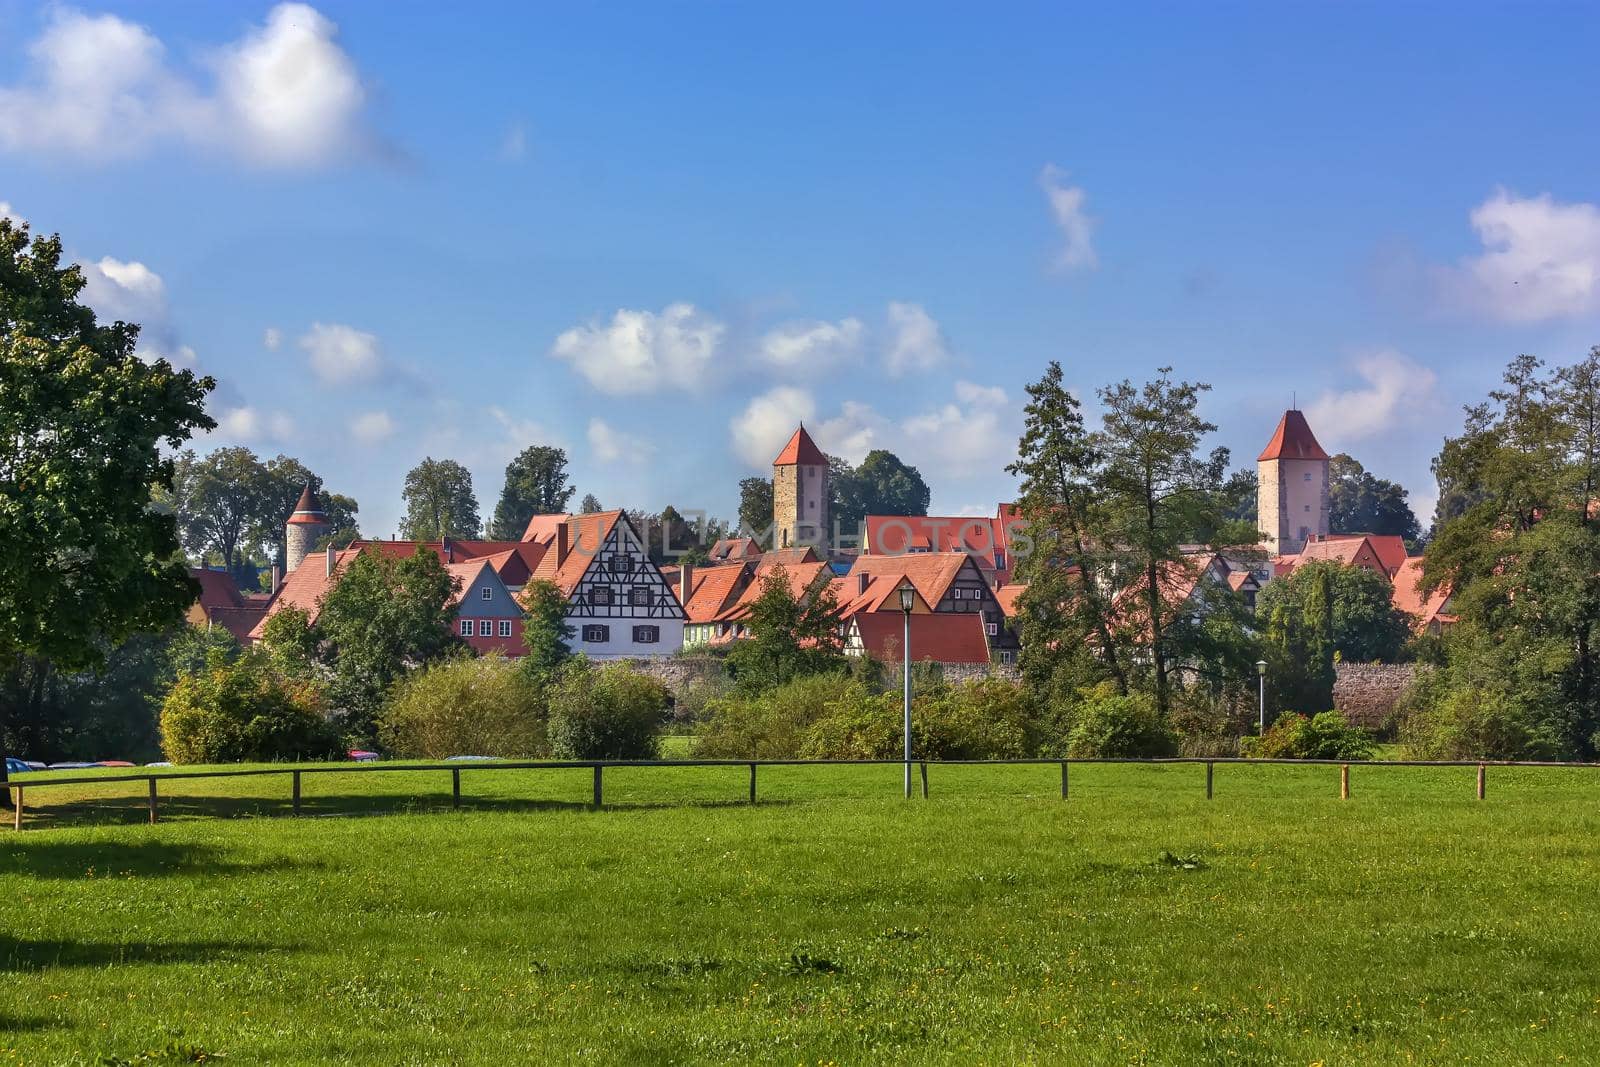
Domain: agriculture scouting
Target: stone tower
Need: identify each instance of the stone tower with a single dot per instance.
(1292, 491)
(800, 494)
(305, 526)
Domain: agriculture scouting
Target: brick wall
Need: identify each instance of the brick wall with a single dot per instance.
(1367, 692)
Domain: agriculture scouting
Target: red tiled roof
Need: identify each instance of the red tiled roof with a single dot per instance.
(1407, 596)
(1008, 595)
(1293, 440)
(801, 449)
(899, 534)
(734, 548)
(217, 588)
(308, 509)
(1355, 551)
(789, 557)
(713, 591)
(543, 527)
(306, 585)
(955, 637)
(586, 534)
(1390, 548)
(930, 572)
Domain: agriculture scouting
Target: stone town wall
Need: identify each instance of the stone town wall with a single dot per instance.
(1367, 692)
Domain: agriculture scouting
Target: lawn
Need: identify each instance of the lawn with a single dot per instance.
(1136, 922)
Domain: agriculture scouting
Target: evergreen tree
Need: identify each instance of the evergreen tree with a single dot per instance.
(536, 484)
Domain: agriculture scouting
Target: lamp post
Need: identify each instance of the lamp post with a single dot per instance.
(908, 595)
(1261, 712)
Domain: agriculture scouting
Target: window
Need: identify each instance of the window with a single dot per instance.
(596, 634)
(505, 627)
(639, 596)
(485, 627)
(1008, 657)
(646, 635)
(624, 564)
(1308, 476)
(466, 627)
(992, 628)
(486, 592)
(958, 593)
(600, 595)
(1308, 507)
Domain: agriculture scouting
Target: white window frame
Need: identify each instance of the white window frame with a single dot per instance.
(485, 627)
(465, 628)
(505, 627)
(597, 592)
(638, 596)
(486, 592)
(992, 628)
(596, 634)
(654, 633)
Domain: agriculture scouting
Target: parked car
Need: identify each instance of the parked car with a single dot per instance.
(18, 766)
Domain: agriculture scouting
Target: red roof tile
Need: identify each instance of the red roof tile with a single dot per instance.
(308, 509)
(1009, 595)
(955, 637)
(801, 449)
(1390, 548)
(734, 548)
(1293, 440)
(1408, 596)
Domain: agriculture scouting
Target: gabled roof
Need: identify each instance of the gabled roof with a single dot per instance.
(801, 450)
(1390, 548)
(1009, 595)
(543, 527)
(217, 588)
(513, 561)
(1293, 440)
(955, 637)
(308, 510)
(713, 590)
(930, 572)
(466, 576)
(898, 534)
(1407, 596)
(306, 585)
(734, 548)
(789, 557)
(1353, 551)
(586, 535)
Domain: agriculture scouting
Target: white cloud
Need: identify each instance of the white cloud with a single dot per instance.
(373, 427)
(341, 354)
(1541, 260)
(641, 351)
(100, 87)
(768, 421)
(852, 433)
(9, 212)
(271, 338)
(809, 346)
(916, 342)
(128, 291)
(1397, 391)
(973, 435)
(514, 145)
(1066, 207)
(246, 423)
(177, 355)
(610, 444)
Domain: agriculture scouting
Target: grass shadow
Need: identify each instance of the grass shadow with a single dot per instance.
(45, 858)
(23, 955)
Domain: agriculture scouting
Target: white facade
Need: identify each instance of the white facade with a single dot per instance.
(622, 608)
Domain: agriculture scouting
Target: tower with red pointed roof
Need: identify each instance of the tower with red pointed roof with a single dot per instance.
(800, 494)
(306, 524)
(1292, 487)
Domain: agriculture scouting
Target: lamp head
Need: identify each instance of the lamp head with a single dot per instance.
(908, 596)
(1261, 667)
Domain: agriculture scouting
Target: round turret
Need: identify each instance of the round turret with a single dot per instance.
(306, 525)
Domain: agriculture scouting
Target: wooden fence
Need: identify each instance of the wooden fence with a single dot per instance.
(19, 789)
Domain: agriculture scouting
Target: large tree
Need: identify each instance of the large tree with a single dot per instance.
(1367, 627)
(222, 501)
(88, 561)
(881, 485)
(536, 484)
(1521, 554)
(755, 506)
(1158, 489)
(789, 635)
(1359, 502)
(440, 502)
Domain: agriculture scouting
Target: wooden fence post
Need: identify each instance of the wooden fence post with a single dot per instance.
(1209, 768)
(295, 791)
(1344, 781)
(16, 809)
(752, 782)
(152, 800)
(1483, 774)
(1063, 779)
(455, 787)
(924, 765)
(597, 794)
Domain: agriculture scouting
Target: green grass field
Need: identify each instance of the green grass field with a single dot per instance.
(993, 923)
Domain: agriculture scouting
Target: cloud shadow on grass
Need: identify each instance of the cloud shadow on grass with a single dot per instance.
(42, 857)
(23, 955)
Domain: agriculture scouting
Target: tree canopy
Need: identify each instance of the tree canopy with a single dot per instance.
(440, 502)
(536, 484)
(755, 505)
(789, 635)
(881, 485)
(1358, 502)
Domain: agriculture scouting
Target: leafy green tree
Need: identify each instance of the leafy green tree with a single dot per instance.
(881, 485)
(545, 630)
(1156, 489)
(1358, 502)
(609, 712)
(83, 421)
(589, 505)
(224, 498)
(466, 705)
(1522, 554)
(1367, 628)
(244, 710)
(536, 484)
(755, 505)
(1066, 620)
(1299, 641)
(440, 502)
(789, 635)
(383, 618)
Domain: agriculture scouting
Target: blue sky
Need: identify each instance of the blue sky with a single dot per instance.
(658, 235)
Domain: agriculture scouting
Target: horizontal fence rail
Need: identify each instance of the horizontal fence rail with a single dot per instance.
(19, 789)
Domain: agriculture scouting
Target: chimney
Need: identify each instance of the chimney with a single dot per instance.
(685, 582)
(862, 581)
(563, 544)
(277, 578)
(332, 558)
(449, 553)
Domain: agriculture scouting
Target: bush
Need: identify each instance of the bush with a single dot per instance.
(465, 705)
(1111, 726)
(1203, 728)
(861, 724)
(1325, 735)
(609, 712)
(1472, 724)
(989, 719)
(245, 710)
(772, 724)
